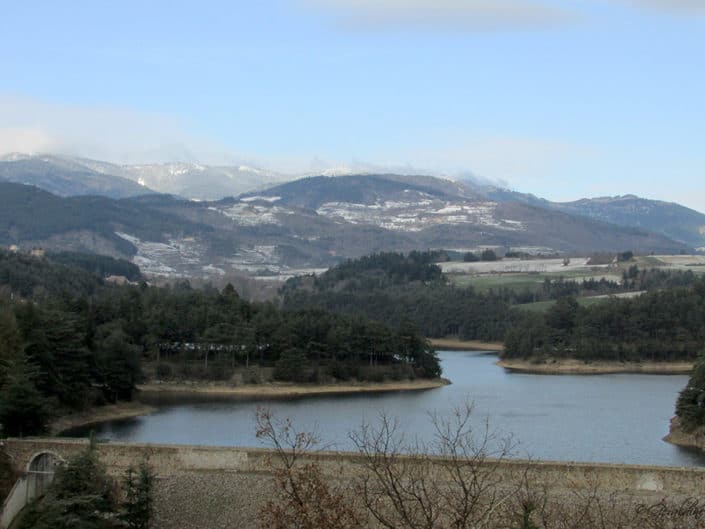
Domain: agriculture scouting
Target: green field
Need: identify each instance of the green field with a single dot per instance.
(543, 306)
(524, 280)
(485, 282)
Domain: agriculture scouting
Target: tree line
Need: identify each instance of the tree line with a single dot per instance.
(663, 325)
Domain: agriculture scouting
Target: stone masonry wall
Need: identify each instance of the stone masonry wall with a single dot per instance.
(201, 487)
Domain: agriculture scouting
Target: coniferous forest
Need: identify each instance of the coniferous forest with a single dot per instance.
(68, 340)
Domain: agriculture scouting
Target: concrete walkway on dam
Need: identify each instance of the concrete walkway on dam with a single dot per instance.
(204, 487)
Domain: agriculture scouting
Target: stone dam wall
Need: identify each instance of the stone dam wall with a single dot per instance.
(199, 487)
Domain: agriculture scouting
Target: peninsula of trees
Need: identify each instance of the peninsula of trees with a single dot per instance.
(68, 340)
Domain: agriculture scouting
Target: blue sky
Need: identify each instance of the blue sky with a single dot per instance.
(563, 99)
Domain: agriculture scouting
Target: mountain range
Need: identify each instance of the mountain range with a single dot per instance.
(311, 222)
(67, 176)
(668, 218)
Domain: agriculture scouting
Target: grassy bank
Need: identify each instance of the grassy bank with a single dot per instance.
(291, 390)
(454, 344)
(579, 367)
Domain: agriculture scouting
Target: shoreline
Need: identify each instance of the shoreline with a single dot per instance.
(127, 410)
(95, 415)
(289, 390)
(579, 367)
(678, 437)
(454, 344)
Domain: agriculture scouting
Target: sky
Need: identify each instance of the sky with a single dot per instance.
(564, 99)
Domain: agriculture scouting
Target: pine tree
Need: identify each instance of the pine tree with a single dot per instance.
(9, 340)
(138, 506)
(23, 409)
(690, 406)
(117, 363)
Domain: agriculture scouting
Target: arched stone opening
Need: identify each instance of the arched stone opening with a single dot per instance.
(40, 472)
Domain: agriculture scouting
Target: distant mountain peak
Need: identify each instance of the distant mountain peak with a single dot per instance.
(186, 179)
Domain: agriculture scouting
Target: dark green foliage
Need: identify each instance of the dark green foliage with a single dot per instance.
(10, 340)
(117, 363)
(27, 277)
(471, 257)
(292, 365)
(137, 509)
(690, 406)
(393, 288)
(55, 341)
(99, 265)
(23, 409)
(86, 344)
(665, 325)
(82, 496)
(381, 270)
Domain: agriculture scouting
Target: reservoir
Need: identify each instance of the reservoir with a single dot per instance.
(598, 418)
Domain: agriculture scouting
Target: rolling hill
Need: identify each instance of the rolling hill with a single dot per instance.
(312, 222)
(673, 220)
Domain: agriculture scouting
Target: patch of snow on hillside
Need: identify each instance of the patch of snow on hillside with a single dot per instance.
(245, 213)
(418, 215)
(212, 270)
(174, 258)
(260, 197)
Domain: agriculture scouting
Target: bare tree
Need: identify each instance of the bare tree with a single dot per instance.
(453, 482)
(460, 480)
(306, 499)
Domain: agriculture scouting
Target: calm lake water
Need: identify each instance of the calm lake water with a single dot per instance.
(607, 418)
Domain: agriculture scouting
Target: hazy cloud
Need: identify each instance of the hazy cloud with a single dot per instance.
(514, 160)
(125, 136)
(683, 7)
(107, 133)
(459, 15)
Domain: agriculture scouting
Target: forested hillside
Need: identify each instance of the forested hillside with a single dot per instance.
(668, 323)
(30, 214)
(68, 340)
(664, 325)
(394, 288)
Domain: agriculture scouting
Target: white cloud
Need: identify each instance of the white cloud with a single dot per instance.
(459, 15)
